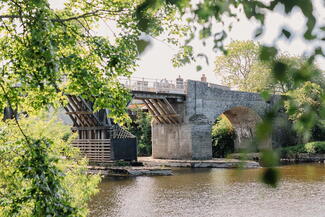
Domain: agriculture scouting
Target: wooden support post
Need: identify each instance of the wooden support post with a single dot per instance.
(78, 107)
(90, 109)
(89, 118)
(162, 106)
(153, 112)
(171, 108)
(159, 111)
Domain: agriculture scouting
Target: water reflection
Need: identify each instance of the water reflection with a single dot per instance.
(215, 192)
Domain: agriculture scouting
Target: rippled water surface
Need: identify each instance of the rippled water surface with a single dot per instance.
(215, 192)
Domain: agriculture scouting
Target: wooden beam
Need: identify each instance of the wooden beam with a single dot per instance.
(166, 112)
(90, 109)
(158, 111)
(171, 108)
(87, 117)
(169, 113)
(92, 128)
(152, 112)
(79, 112)
(75, 107)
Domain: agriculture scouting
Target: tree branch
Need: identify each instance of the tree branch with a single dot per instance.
(15, 117)
(85, 15)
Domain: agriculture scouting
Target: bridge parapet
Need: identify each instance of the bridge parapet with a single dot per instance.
(153, 85)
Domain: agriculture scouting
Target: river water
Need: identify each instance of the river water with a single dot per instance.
(215, 192)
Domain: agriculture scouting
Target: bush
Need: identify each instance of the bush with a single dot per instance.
(310, 148)
(41, 174)
(223, 136)
(315, 147)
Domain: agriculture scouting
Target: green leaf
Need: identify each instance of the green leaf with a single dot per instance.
(265, 95)
(269, 158)
(271, 177)
(198, 68)
(279, 70)
(267, 53)
(142, 45)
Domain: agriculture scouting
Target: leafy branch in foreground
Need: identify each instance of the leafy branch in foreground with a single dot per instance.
(45, 176)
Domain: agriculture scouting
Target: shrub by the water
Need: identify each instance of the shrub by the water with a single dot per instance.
(223, 136)
(310, 148)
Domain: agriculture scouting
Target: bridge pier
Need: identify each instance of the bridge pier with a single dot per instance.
(181, 141)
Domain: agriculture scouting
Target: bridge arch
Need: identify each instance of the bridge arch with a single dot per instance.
(244, 121)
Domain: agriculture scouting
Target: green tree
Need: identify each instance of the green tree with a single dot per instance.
(47, 53)
(297, 69)
(240, 68)
(310, 97)
(141, 128)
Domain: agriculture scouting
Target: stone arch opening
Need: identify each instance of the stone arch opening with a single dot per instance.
(244, 121)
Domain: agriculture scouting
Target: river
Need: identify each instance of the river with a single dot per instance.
(215, 192)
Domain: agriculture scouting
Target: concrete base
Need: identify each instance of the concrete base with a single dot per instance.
(181, 141)
(213, 163)
(171, 141)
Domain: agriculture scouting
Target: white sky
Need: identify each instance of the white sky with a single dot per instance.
(156, 61)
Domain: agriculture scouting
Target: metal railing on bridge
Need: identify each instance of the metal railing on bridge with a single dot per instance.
(154, 85)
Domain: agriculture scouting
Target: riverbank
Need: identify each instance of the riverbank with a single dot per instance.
(147, 166)
(292, 158)
(213, 163)
(130, 171)
(304, 158)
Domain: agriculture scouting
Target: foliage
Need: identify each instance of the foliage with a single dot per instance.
(141, 128)
(223, 136)
(241, 68)
(310, 97)
(297, 67)
(44, 176)
(318, 131)
(47, 53)
(44, 55)
(310, 148)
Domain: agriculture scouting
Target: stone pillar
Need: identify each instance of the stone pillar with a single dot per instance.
(171, 141)
(201, 142)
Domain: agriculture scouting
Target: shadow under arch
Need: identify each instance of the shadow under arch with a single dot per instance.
(244, 121)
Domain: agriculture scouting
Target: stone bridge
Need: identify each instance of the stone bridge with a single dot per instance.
(183, 118)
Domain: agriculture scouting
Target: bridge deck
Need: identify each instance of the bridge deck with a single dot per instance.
(138, 94)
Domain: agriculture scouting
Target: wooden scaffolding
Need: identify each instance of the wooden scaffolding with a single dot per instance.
(97, 132)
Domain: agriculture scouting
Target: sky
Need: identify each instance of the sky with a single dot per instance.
(156, 63)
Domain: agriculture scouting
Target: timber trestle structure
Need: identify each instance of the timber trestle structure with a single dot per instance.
(162, 111)
(96, 132)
